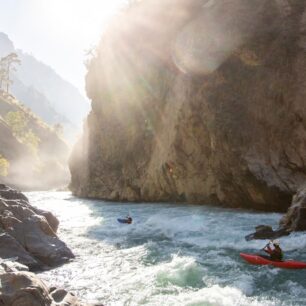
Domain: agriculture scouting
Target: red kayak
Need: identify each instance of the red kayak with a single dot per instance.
(259, 260)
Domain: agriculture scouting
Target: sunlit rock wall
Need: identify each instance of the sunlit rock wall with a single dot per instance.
(197, 101)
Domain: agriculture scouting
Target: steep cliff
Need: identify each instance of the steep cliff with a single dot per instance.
(197, 101)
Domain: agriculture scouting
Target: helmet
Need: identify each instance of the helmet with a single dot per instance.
(275, 242)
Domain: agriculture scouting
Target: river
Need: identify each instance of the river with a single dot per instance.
(171, 254)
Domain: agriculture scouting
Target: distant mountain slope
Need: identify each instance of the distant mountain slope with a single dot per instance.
(6, 45)
(36, 155)
(37, 102)
(45, 92)
(63, 96)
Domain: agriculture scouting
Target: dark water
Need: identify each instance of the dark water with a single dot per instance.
(170, 255)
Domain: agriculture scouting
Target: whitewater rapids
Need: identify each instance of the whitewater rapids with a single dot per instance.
(171, 255)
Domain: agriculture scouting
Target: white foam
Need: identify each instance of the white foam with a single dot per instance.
(293, 242)
(294, 288)
(245, 283)
(132, 265)
(212, 296)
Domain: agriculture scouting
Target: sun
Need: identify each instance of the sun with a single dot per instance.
(81, 19)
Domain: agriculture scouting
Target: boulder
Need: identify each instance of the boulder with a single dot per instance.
(52, 220)
(11, 266)
(266, 232)
(10, 247)
(22, 288)
(295, 219)
(35, 235)
(11, 194)
(29, 233)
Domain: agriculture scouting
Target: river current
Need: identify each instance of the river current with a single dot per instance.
(171, 254)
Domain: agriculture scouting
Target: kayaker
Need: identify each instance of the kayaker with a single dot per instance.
(129, 219)
(276, 253)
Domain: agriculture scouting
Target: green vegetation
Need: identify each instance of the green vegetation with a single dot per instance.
(31, 140)
(4, 166)
(18, 122)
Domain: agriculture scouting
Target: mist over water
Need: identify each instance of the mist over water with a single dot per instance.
(170, 255)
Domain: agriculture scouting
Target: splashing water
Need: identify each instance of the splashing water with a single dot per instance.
(170, 255)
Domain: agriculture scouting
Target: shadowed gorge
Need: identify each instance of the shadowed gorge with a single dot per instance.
(197, 101)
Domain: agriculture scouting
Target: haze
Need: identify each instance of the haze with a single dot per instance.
(57, 32)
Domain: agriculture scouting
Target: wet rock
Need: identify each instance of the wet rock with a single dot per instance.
(22, 288)
(38, 239)
(11, 194)
(52, 220)
(10, 265)
(10, 247)
(29, 233)
(295, 219)
(266, 232)
(64, 297)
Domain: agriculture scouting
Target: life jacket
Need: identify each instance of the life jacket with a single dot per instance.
(277, 254)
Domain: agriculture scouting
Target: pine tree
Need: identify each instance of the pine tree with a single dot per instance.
(7, 65)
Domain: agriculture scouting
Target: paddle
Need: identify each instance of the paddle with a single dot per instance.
(266, 245)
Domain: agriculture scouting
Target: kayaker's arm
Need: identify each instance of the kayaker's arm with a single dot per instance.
(267, 249)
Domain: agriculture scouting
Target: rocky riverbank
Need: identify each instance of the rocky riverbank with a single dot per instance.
(21, 287)
(29, 233)
(28, 237)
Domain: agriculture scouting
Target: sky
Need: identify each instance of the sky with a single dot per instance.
(58, 32)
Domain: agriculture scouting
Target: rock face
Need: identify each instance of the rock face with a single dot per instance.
(29, 233)
(197, 101)
(295, 219)
(20, 287)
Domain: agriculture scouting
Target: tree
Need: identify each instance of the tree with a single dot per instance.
(7, 65)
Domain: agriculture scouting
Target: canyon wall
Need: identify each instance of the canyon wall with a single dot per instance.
(199, 102)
